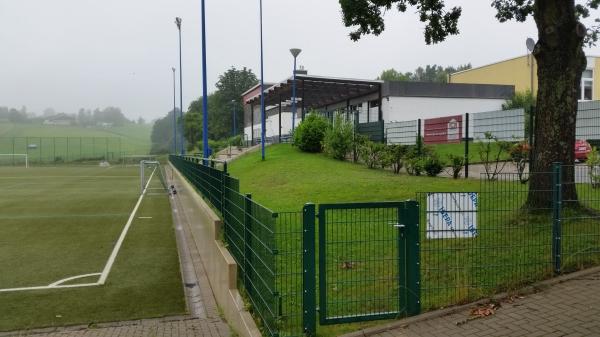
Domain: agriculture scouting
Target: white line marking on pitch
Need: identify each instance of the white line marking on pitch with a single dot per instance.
(115, 251)
(58, 284)
(72, 278)
(145, 217)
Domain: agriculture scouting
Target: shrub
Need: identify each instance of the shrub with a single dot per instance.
(456, 163)
(519, 154)
(338, 140)
(357, 142)
(237, 141)
(593, 163)
(490, 152)
(415, 161)
(414, 166)
(396, 154)
(309, 135)
(373, 154)
(433, 165)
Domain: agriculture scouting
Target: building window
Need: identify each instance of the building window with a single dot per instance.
(587, 85)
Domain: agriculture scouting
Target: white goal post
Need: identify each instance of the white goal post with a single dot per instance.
(148, 169)
(134, 160)
(10, 157)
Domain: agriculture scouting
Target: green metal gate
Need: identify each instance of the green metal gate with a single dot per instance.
(368, 261)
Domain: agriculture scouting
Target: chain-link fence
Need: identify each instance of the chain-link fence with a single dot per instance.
(58, 150)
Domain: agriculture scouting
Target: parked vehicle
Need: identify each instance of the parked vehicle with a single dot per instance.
(582, 149)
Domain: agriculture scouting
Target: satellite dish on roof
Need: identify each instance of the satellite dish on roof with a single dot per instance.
(530, 43)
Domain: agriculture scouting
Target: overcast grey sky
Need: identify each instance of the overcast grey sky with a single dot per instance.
(68, 54)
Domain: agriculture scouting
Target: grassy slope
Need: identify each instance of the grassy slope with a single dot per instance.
(443, 150)
(46, 241)
(512, 248)
(290, 178)
(135, 138)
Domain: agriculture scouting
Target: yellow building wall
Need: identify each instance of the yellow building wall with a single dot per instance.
(596, 67)
(515, 72)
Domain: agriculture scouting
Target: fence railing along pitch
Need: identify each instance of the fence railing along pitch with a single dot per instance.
(56, 150)
(276, 255)
(266, 245)
(366, 268)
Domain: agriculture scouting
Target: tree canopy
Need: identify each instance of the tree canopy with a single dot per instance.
(431, 73)
(560, 63)
(221, 104)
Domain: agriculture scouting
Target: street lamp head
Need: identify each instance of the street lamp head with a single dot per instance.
(178, 22)
(295, 52)
(173, 68)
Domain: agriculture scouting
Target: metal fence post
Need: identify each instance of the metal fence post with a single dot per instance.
(247, 242)
(419, 142)
(531, 135)
(467, 145)
(556, 217)
(413, 259)
(309, 313)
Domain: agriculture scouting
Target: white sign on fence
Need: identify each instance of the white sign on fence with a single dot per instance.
(451, 215)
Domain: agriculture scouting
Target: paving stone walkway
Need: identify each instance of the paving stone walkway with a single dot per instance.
(169, 327)
(570, 308)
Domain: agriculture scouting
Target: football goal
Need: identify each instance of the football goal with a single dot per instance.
(149, 169)
(14, 159)
(134, 160)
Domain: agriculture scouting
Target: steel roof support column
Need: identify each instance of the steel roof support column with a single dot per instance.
(303, 111)
(380, 112)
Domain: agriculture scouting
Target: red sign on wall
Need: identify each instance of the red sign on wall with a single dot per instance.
(443, 130)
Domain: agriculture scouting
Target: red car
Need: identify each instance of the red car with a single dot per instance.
(582, 149)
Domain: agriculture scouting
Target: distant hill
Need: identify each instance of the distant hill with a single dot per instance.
(135, 138)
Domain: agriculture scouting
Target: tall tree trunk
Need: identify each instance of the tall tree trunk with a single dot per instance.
(561, 61)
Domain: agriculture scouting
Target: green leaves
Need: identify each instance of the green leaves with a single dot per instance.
(517, 10)
(368, 16)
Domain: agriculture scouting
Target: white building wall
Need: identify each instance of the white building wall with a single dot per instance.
(397, 109)
(272, 126)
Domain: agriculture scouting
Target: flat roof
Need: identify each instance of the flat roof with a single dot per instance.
(317, 91)
(320, 91)
(447, 90)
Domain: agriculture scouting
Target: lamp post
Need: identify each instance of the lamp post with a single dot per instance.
(178, 23)
(262, 88)
(295, 52)
(174, 112)
(234, 118)
(205, 149)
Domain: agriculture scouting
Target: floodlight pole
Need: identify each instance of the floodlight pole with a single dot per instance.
(178, 23)
(262, 88)
(295, 52)
(234, 118)
(174, 112)
(205, 149)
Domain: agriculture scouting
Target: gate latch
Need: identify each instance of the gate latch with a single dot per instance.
(400, 226)
(397, 225)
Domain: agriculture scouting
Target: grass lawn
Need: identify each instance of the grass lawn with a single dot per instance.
(512, 247)
(290, 178)
(129, 139)
(61, 222)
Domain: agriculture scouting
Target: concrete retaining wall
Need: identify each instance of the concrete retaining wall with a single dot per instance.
(220, 266)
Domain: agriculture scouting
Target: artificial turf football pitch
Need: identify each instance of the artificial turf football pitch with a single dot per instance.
(59, 228)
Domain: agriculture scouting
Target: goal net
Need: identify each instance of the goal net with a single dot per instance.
(150, 171)
(134, 160)
(13, 159)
